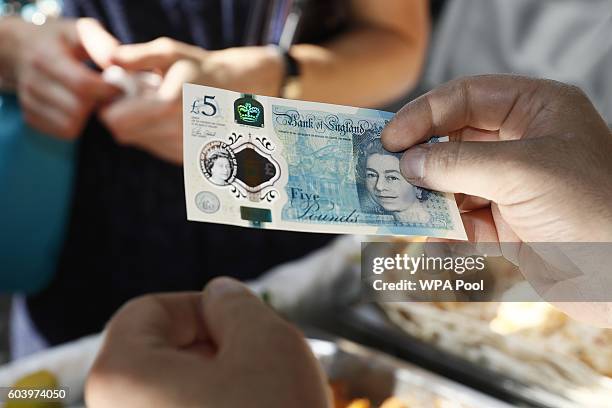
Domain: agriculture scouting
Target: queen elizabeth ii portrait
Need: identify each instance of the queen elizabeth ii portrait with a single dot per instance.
(218, 163)
(384, 190)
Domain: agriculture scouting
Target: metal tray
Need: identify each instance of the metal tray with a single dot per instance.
(377, 376)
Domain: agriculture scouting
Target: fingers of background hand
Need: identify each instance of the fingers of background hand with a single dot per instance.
(157, 54)
(487, 170)
(126, 114)
(162, 139)
(50, 125)
(482, 102)
(180, 72)
(54, 94)
(235, 316)
(48, 119)
(173, 320)
(75, 76)
(98, 43)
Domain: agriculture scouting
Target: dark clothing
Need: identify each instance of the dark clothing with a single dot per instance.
(128, 233)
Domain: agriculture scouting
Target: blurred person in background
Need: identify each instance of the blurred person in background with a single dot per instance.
(189, 349)
(128, 233)
(568, 41)
(56, 95)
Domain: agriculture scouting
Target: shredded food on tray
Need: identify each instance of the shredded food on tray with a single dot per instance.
(531, 342)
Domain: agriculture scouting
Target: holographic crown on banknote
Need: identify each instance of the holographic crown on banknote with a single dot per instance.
(249, 111)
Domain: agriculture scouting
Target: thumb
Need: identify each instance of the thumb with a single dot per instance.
(98, 43)
(233, 313)
(484, 169)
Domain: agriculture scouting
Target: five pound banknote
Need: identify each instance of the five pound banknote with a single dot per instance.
(274, 163)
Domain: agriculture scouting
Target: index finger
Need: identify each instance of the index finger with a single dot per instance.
(157, 54)
(77, 77)
(98, 43)
(481, 102)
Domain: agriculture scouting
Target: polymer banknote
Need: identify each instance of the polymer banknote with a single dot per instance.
(273, 163)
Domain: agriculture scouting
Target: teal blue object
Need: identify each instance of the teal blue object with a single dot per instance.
(36, 176)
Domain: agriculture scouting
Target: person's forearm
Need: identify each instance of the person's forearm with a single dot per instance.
(366, 67)
(9, 33)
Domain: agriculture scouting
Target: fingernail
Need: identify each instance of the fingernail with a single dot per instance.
(221, 287)
(413, 162)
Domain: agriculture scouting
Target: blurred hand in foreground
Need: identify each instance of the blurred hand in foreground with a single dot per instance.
(531, 160)
(154, 122)
(57, 91)
(222, 348)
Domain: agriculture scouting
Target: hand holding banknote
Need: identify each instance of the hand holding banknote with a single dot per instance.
(222, 348)
(531, 159)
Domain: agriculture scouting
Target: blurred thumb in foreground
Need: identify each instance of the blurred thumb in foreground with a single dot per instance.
(222, 348)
